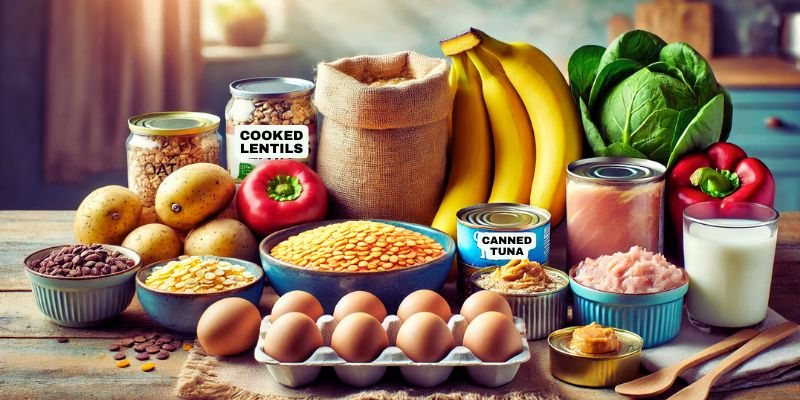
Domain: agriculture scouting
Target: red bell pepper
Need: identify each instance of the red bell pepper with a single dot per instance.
(280, 194)
(723, 172)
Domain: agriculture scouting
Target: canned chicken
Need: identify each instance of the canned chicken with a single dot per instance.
(493, 234)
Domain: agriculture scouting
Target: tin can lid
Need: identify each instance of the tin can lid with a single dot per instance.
(629, 342)
(616, 170)
(271, 88)
(173, 123)
(503, 216)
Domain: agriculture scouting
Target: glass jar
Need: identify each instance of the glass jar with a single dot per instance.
(160, 143)
(613, 204)
(268, 101)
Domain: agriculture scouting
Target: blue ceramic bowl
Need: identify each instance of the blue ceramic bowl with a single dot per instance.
(328, 287)
(180, 312)
(84, 301)
(656, 317)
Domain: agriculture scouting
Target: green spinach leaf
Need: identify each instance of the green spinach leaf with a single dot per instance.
(593, 136)
(622, 150)
(582, 69)
(640, 46)
(704, 129)
(610, 75)
(628, 105)
(654, 136)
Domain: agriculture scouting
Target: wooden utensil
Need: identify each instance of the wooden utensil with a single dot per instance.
(679, 21)
(661, 380)
(700, 388)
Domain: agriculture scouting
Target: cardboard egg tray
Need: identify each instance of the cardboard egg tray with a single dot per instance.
(490, 374)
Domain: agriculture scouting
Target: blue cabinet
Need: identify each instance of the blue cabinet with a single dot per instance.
(766, 124)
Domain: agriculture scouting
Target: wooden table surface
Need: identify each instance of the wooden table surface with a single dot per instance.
(34, 365)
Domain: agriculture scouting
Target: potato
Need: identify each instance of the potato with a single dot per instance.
(107, 215)
(154, 242)
(224, 237)
(192, 194)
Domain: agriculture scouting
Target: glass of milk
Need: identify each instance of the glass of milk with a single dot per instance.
(728, 251)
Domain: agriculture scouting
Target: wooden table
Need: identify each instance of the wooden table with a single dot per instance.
(34, 365)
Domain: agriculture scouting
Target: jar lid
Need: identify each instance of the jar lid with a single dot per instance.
(271, 88)
(629, 344)
(173, 123)
(616, 170)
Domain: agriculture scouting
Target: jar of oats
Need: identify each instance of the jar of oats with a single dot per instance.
(268, 102)
(162, 142)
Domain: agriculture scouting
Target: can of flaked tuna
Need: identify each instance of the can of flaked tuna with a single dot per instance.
(493, 234)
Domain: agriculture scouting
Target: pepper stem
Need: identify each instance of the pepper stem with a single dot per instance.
(715, 183)
(284, 188)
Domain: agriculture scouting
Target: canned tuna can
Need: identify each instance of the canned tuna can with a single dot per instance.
(543, 312)
(594, 370)
(493, 234)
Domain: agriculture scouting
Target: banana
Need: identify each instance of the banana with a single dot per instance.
(552, 112)
(470, 173)
(512, 134)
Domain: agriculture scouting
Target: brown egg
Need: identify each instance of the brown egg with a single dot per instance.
(483, 301)
(297, 301)
(424, 337)
(422, 301)
(229, 326)
(359, 337)
(492, 337)
(292, 338)
(359, 301)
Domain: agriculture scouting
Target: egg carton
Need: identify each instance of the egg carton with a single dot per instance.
(490, 374)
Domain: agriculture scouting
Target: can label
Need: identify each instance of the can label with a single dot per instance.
(488, 248)
(249, 146)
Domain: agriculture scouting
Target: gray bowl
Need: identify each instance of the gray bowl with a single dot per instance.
(83, 301)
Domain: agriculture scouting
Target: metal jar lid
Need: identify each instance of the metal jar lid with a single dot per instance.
(616, 170)
(503, 216)
(173, 123)
(271, 88)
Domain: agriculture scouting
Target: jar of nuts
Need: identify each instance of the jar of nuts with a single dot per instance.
(162, 142)
(267, 102)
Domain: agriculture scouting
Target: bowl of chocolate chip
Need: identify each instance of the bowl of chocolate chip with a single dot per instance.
(82, 285)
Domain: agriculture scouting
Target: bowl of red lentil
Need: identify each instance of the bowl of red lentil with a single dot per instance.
(329, 259)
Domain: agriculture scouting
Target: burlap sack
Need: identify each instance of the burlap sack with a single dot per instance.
(382, 149)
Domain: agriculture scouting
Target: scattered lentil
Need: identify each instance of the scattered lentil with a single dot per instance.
(187, 346)
(142, 356)
(119, 356)
(123, 363)
(162, 355)
(357, 246)
(147, 367)
(140, 347)
(114, 347)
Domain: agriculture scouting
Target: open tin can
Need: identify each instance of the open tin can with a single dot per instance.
(594, 370)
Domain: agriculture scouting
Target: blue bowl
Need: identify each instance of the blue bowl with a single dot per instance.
(656, 317)
(328, 287)
(180, 312)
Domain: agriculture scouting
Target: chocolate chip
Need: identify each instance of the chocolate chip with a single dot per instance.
(142, 356)
(162, 355)
(119, 356)
(114, 347)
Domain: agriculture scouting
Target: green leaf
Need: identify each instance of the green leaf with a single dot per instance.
(622, 150)
(704, 129)
(640, 46)
(676, 93)
(654, 137)
(695, 69)
(727, 121)
(582, 69)
(628, 105)
(610, 75)
(684, 118)
(593, 136)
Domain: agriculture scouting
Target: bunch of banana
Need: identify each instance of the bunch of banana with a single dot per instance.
(532, 122)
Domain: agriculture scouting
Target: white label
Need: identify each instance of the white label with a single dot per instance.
(505, 245)
(262, 142)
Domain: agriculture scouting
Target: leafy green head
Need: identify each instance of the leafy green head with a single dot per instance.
(641, 97)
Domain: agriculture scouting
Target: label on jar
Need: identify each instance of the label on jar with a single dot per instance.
(251, 145)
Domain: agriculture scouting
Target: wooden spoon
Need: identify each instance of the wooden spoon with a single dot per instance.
(661, 380)
(700, 388)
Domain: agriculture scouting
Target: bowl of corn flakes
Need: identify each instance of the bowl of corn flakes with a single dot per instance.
(329, 259)
(176, 292)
